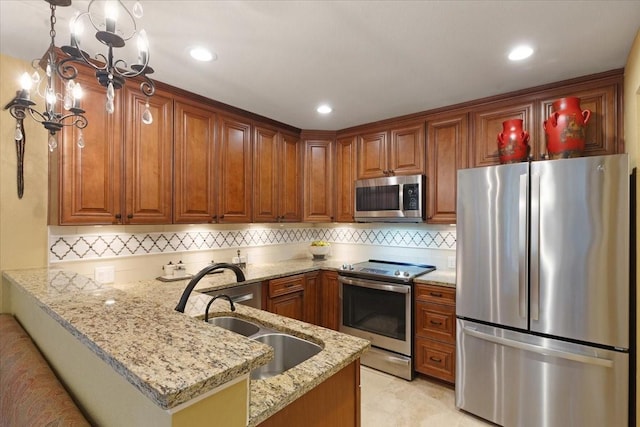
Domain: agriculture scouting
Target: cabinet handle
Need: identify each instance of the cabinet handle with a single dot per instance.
(118, 216)
(222, 216)
(435, 359)
(130, 216)
(288, 285)
(434, 322)
(435, 294)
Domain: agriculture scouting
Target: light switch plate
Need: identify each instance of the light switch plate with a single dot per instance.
(105, 274)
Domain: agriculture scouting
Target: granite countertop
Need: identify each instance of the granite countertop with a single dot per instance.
(107, 318)
(446, 278)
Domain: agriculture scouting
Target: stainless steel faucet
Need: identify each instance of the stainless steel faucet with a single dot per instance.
(208, 269)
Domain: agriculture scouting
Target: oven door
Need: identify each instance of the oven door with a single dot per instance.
(377, 311)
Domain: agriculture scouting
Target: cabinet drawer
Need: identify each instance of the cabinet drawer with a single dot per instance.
(436, 321)
(286, 285)
(437, 294)
(435, 359)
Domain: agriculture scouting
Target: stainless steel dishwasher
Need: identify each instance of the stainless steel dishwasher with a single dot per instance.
(249, 294)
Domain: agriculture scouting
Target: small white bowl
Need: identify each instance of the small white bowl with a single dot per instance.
(319, 252)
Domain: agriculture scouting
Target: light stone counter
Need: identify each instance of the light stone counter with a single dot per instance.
(445, 278)
(134, 328)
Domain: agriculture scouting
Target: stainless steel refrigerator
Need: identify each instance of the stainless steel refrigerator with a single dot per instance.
(543, 292)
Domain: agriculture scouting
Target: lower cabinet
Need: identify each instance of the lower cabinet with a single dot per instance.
(329, 300)
(435, 331)
(294, 296)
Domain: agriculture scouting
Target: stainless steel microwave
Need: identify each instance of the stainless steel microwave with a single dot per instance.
(390, 199)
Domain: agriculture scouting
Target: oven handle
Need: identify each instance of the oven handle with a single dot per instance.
(381, 286)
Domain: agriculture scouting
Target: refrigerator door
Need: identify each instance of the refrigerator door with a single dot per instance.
(580, 249)
(491, 272)
(520, 380)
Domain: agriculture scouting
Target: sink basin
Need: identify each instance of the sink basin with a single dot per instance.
(235, 324)
(289, 352)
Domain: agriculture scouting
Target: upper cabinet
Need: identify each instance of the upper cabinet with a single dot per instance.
(318, 186)
(487, 124)
(600, 94)
(194, 157)
(277, 166)
(447, 151)
(234, 170)
(398, 151)
(345, 165)
(148, 158)
(86, 183)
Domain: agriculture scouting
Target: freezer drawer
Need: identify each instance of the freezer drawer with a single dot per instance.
(515, 379)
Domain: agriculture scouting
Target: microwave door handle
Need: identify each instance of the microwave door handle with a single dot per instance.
(401, 199)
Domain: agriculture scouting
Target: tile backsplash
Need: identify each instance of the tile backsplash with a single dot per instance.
(100, 244)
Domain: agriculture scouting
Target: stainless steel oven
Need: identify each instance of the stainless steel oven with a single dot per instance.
(376, 304)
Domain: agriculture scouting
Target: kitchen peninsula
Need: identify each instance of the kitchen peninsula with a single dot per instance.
(129, 359)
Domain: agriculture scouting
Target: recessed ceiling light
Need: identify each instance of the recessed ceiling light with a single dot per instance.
(202, 54)
(324, 109)
(521, 52)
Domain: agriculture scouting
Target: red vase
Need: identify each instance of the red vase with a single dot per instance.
(566, 128)
(513, 142)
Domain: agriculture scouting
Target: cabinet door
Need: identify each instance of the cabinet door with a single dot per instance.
(311, 284)
(318, 190)
(148, 158)
(88, 188)
(329, 300)
(194, 150)
(406, 149)
(372, 155)
(290, 305)
(346, 158)
(447, 151)
(435, 359)
(487, 124)
(265, 175)
(603, 129)
(234, 171)
(289, 173)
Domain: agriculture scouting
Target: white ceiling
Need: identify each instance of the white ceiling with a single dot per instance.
(370, 60)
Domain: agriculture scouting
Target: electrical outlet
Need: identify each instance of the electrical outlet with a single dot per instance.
(104, 274)
(451, 262)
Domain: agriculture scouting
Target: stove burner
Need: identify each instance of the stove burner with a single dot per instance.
(373, 270)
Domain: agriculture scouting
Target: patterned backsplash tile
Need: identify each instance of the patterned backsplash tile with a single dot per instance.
(104, 246)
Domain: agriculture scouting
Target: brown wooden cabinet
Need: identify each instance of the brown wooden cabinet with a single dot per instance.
(312, 282)
(487, 124)
(148, 158)
(346, 161)
(329, 300)
(318, 185)
(277, 190)
(447, 151)
(124, 174)
(194, 159)
(603, 130)
(398, 151)
(435, 331)
(234, 171)
(86, 183)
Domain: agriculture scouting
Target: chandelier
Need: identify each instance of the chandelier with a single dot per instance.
(53, 119)
(113, 33)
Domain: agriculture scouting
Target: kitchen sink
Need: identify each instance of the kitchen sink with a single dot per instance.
(289, 351)
(235, 324)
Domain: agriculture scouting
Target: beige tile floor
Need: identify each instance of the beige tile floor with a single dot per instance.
(388, 401)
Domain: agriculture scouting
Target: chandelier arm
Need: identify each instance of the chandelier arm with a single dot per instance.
(36, 115)
(147, 86)
(67, 71)
(79, 120)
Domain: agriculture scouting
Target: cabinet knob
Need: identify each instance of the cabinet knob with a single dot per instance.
(118, 216)
(130, 216)
(222, 216)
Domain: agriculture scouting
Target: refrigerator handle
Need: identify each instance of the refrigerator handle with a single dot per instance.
(522, 246)
(591, 360)
(535, 246)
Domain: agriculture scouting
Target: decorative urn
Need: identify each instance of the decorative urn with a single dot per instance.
(566, 128)
(513, 142)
